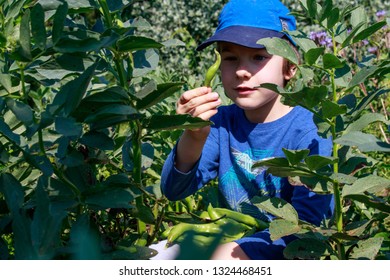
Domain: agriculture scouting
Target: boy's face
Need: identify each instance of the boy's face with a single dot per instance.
(243, 69)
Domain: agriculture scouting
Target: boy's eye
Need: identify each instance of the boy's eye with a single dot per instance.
(259, 57)
(229, 58)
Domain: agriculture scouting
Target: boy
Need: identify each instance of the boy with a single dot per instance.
(255, 127)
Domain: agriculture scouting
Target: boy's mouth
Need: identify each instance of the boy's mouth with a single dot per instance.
(244, 90)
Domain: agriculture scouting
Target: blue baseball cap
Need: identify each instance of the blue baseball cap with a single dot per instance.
(244, 22)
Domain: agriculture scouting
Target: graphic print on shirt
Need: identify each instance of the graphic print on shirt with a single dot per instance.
(242, 183)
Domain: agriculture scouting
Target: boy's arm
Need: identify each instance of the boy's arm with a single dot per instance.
(189, 148)
(201, 103)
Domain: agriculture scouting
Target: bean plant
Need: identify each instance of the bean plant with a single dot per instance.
(79, 114)
(339, 88)
(87, 94)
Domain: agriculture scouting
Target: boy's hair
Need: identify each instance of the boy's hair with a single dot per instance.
(244, 22)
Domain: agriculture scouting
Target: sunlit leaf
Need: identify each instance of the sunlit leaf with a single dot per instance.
(277, 207)
(306, 249)
(162, 92)
(372, 184)
(38, 26)
(134, 43)
(295, 156)
(365, 120)
(281, 47)
(363, 141)
(367, 249)
(167, 122)
(280, 228)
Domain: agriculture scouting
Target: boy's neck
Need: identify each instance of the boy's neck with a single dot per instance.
(268, 113)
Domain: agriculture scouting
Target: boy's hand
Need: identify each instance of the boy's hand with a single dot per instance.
(199, 102)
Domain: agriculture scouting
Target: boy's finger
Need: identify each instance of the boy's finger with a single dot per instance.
(191, 94)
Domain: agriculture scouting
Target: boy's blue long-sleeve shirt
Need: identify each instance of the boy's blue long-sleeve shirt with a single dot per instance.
(234, 144)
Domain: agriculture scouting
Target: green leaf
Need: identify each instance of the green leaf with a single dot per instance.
(333, 18)
(325, 11)
(98, 140)
(331, 109)
(289, 172)
(304, 43)
(85, 242)
(281, 47)
(343, 76)
(362, 75)
(367, 249)
(134, 43)
(358, 16)
(331, 61)
(7, 132)
(312, 55)
(22, 111)
(5, 81)
(144, 213)
(280, 228)
(364, 142)
(365, 120)
(68, 127)
(112, 110)
(368, 31)
(12, 191)
(273, 162)
(145, 61)
(25, 37)
(71, 94)
(311, 7)
(352, 34)
(371, 184)
(163, 91)
(318, 184)
(84, 42)
(343, 178)
(94, 102)
(147, 155)
(306, 249)
(103, 197)
(46, 224)
(308, 97)
(38, 26)
(366, 101)
(166, 122)
(59, 22)
(295, 156)
(277, 207)
(370, 201)
(315, 162)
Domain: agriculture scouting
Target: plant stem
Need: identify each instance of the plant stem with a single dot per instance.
(137, 169)
(106, 13)
(336, 185)
(22, 81)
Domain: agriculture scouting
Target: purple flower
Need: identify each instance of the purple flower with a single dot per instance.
(380, 13)
(372, 50)
(321, 38)
(365, 42)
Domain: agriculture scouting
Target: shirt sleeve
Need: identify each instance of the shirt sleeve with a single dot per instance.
(177, 185)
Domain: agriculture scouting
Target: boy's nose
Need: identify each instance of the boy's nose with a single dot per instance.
(243, 73)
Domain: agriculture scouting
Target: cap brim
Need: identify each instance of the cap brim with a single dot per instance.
(246, 36)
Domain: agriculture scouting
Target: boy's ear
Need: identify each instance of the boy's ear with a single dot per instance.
(291, 69)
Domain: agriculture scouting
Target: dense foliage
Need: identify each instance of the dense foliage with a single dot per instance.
(87, 94)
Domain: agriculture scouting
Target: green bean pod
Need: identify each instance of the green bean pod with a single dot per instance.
(212, 71)
(242, 218)
(179, 229)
